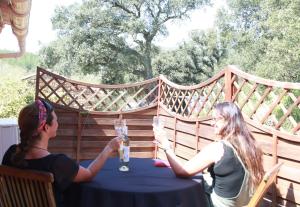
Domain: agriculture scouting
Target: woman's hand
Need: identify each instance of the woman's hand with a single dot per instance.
(86, 174)
(114, 144)
(161, 137)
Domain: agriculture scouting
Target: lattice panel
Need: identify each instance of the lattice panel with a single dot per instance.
(269, 103)
(275, 107)
(104, 98)
(192, 102)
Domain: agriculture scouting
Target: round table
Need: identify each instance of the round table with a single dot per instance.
(143, 186)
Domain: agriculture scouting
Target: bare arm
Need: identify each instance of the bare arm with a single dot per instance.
(206, 157)
(86, 174)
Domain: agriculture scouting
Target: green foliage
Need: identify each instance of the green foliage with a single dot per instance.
(28, 61)
(15, 93)
(112, 37)
(114, 40)
(296, 110)
(287, 101)
(262, 37)
(194, 61)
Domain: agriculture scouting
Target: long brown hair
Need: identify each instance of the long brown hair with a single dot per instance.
(237, 133)
(29, 123)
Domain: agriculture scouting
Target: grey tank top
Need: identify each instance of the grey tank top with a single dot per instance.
(230, 187)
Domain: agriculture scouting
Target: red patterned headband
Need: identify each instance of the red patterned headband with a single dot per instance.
(42, 115)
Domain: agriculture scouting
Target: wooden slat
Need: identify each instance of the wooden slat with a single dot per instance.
(273, 105)
(291, 173)
(206, 131)
(25, 187)
(228, 85)
(13, 190)
(288, 112)
(184, 152)
(289, 192)
(36, 199)
(4, 201)
(291, 148)
(29, 196)
(186, 140)
(186, 127)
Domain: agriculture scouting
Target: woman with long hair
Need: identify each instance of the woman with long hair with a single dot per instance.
(234, 162)
(38, 124)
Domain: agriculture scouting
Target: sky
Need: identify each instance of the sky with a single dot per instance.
(41, 33)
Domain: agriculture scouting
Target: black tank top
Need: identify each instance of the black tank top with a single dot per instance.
(228, 174)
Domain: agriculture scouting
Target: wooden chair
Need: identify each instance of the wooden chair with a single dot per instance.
(25, 188)
(264, 185)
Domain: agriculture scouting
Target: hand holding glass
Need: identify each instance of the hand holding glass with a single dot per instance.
(159, 124)
(120, 127)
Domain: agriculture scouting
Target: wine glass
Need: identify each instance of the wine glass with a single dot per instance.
(120, 127)
(159, 123)
(121, 131)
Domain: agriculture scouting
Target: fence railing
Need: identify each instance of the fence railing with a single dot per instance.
(273, 105)
(271, 109)
(92, 97)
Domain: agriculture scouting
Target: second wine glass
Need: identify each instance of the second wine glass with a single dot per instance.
(159, 123)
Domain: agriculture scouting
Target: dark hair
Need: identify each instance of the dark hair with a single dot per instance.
(237, 133)
(29, 125)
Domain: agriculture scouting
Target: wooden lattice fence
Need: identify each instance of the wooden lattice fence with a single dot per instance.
(86, 113)
(271, 109)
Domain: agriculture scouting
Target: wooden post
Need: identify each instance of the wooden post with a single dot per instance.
(157, 114)
(120, 115)
(79, 131)
(197, 136)
(228, 85)
(159, 94)
(275, 161)
(37, 79)
(174, 144)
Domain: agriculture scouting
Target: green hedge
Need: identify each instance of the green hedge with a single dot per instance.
(14, 93)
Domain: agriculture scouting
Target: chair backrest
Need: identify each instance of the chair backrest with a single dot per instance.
(264, 185)
(25, 188)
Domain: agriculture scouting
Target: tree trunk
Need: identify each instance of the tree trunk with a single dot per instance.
(147, 62)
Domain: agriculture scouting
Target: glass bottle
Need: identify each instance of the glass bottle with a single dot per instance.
(124, 151)
(124, 154)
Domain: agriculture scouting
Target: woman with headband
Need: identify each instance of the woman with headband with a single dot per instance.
(38, 124)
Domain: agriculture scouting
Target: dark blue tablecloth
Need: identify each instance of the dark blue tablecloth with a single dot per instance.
(143, 186)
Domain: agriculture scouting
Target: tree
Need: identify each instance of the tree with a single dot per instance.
(282, 37)
(262, 37)
(194, 61)
(114, 37)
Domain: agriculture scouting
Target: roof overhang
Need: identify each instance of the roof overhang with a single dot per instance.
(16, 14)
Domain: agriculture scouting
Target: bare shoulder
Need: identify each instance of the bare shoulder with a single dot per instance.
(215, 150)
(215, 146)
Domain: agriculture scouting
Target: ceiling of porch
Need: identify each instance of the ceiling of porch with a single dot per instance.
(15, 13)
